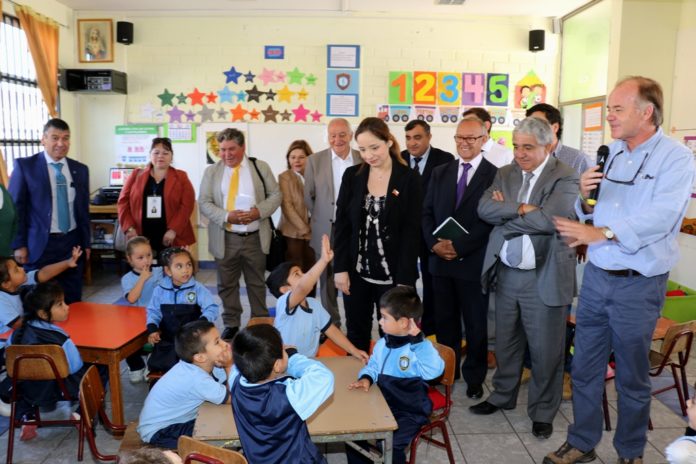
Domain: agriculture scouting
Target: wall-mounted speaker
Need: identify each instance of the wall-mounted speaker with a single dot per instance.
(536, 40)
(124, 32)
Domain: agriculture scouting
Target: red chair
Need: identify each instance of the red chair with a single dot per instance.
(92, 396)
(192, 450)
(34, 363)
(439, 416)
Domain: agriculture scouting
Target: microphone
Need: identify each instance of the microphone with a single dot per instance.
(602, 155)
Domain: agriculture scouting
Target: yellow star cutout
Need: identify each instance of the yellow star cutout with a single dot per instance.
(302, 94)
(285, 94)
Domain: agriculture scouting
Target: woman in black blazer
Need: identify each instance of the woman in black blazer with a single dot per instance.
(377, 229)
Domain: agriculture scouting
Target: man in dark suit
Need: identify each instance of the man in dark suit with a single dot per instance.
(423, 158)
(535, 271)
(51, 194)
(455, 190)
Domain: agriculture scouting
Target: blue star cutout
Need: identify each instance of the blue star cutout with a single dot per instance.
(241, 96)
(225, 94)
(249, 77)
(232, 75)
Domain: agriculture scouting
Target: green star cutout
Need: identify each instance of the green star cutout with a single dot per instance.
(295, 76)
(311, 79)
(166, 98)
(181, 97)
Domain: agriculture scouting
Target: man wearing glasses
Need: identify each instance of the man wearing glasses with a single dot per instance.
(632, 246)
(534, 270)
(455, 264)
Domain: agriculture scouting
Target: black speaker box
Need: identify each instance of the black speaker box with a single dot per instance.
(536, 40)
(124, 32)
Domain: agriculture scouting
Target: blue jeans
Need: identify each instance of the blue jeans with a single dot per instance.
(614, 313)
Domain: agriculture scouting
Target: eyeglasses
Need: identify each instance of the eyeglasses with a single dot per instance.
(635, 175)
(469, 140)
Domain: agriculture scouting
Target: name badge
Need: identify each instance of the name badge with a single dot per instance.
(154, 207)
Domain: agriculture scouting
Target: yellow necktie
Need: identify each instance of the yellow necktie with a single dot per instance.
(234, 188)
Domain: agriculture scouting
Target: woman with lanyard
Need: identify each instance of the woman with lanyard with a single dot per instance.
(157, 201)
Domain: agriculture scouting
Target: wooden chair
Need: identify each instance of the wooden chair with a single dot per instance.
(260, 320)
(192, 450)
(33, 363)
(439, 416)
(92, 396)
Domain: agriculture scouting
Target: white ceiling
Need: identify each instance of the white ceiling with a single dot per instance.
(544, 8)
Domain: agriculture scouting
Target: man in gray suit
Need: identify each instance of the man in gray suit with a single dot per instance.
(238, 194)
(535, 271)
(323, 175)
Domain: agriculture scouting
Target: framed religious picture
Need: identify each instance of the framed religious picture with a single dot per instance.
(95, 40)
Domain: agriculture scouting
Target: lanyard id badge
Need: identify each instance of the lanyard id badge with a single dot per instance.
(154, 207)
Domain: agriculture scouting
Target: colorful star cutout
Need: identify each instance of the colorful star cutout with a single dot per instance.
(181, 97)
(249, 77)
(270, 95)
(253, 94)
(241, 96)
(147, 110)
(311, 79)
(232, 75)
(316, 116)
(221, 113)
(280, 76)
(302, 94)
(166, 98)
(190, 115)
(211, 97)
(295, 76)
(225, 95)
(206, 113)
(266, 76)
(238, 113)
(175, 114)
(300, 113)
(254, 114)
(196, 97)
(270, 115)
(286, 115)
(285, 94)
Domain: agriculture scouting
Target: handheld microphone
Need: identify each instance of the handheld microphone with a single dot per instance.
(602, 155)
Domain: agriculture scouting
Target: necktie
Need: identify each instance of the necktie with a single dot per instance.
(62, 198)
(461, 185)
(417, 159)
(234, 188)
(514, 249)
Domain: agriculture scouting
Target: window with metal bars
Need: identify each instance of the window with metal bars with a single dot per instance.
(22, 109)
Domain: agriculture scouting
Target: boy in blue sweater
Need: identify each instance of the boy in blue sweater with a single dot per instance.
(401, 363)
(177, 300)
(171, 407)
(274, 391)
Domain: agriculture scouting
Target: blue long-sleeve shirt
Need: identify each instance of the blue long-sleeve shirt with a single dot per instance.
(415, 357)
(38, 332)
(646, 216)
(191, 293)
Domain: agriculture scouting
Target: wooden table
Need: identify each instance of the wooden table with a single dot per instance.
(347, 415)
(106, 334)
(661, 327)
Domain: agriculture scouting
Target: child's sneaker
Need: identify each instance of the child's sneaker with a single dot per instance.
(138, 376)
(5, 408)
(28, 432)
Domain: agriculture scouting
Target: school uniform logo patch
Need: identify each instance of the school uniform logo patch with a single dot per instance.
(404, 362)
(191, 297)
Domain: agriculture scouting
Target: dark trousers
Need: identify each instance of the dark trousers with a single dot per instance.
(361, 304)
(458, 300)
(428, 320)
(168, 437)
(59, 248)
(135, 361)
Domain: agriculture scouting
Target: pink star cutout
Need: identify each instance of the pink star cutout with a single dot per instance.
(300, 113)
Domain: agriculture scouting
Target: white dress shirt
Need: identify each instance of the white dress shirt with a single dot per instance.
(475, 163)
(339, 166)
(246, 196)
(423, 160)
(54, 199)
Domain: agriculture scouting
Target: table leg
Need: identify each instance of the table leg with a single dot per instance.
(115, 387)
(388, 445)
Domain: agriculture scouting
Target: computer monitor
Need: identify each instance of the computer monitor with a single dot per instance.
(118, 176)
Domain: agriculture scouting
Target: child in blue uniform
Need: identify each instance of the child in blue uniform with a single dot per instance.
(401, 363)
(301, 319)
(178, 299)
(138, 286)
(44, 305)
(274, 391)
(171, 407)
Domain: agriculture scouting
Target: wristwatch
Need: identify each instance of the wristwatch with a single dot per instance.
(608, 233)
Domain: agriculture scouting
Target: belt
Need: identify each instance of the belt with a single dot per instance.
(56, 234)
(623, 273)
(245, 234)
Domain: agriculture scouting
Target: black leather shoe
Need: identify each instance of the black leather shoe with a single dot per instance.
(483, 409)
(542, 429)
(474, 391)
(229, 333)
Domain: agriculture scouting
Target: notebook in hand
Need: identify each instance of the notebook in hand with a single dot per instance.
(450, 229)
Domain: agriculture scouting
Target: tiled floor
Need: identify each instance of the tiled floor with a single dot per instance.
(504, 437)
